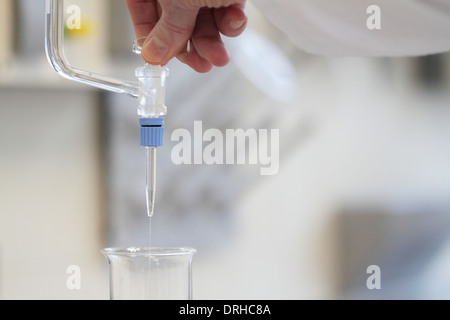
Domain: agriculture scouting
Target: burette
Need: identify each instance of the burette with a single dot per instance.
(149, 90)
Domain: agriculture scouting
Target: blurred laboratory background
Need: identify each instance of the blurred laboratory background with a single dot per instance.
(364, 172)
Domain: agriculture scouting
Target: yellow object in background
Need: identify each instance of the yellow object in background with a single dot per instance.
(86, 34)
(87, 29)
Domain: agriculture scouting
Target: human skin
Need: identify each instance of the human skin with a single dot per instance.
(168, 26)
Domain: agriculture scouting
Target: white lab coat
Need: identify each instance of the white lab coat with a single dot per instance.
(339, 27)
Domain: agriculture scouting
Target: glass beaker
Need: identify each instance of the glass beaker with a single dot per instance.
(150, 273)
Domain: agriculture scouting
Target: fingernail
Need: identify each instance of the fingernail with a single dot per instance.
(236, 24)
(155, 50)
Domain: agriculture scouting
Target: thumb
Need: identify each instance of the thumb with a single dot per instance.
(170, 35)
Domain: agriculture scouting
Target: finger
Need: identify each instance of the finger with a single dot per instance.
(212, 3)
(194, 60)
(207, 40)
(170, 34)
(144, 15)
(231, 21)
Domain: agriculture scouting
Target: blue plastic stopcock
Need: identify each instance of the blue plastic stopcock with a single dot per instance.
(152, 132)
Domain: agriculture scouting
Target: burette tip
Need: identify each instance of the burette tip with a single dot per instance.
(151, 180)
(150, 203)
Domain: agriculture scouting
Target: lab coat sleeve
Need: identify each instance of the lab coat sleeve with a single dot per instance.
(340, 27)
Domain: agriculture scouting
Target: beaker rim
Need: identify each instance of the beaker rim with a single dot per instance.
(149, 251)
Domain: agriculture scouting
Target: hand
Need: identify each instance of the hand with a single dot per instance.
(169, 25)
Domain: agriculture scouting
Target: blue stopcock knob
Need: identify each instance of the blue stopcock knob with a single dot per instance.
(152, 132)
